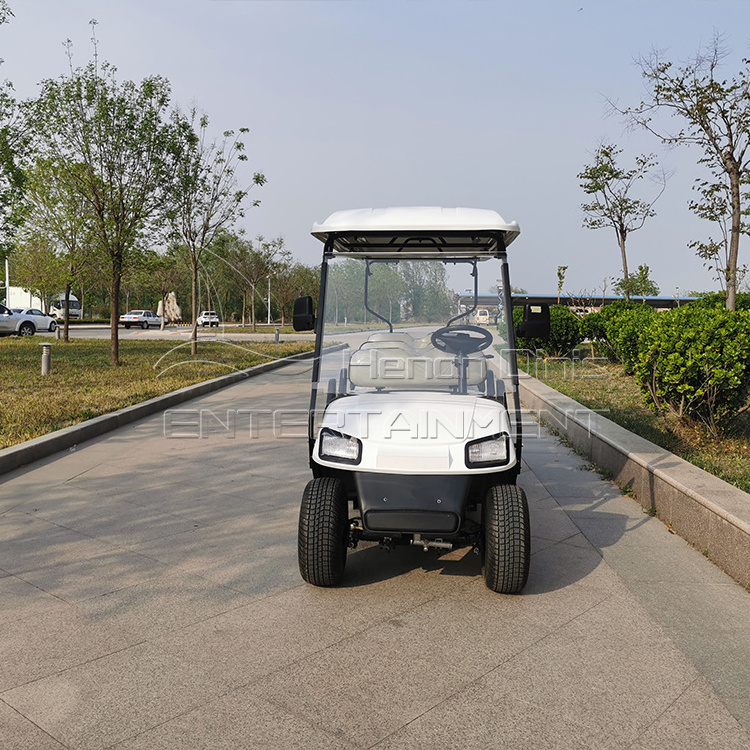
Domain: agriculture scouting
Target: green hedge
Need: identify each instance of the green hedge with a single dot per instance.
(616, 329)
(695, 362)
(565, 332)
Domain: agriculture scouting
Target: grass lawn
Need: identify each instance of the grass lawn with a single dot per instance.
(82, 384)
(607, 388)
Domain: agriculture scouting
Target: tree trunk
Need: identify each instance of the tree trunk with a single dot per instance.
(734, 237)
(621, 237)
(114, 314)
(252, 307)
(66, 313)
(194, 334)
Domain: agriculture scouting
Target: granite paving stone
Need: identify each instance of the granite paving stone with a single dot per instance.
(150, 598)
(97, 704)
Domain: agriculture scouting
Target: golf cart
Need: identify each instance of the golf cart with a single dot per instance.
(415, 424)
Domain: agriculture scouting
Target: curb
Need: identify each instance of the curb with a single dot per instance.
(706, 511)
(25, 453)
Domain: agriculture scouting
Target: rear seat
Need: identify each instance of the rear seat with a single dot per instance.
(397, 360)
(397, 340)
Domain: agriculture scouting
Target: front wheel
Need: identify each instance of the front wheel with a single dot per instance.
(52, 327)
(323, 534)
(507, 539)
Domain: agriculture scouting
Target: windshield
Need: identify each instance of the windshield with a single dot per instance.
(414, 325)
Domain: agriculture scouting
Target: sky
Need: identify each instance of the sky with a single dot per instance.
(374, 103)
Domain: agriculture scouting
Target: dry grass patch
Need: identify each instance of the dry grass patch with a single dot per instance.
(82, 384)
(609, 390)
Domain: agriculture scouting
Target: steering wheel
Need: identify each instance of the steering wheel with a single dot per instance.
(461, 340)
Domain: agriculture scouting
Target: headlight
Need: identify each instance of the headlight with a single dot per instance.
(489, 451)
(335, 446)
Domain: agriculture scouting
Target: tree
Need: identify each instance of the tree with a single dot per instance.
(714, 115)
(37, 268)
(205, 196)
(639, 284)
(13, 143)
(715, 206)
(162, 273)
(560, 280)
(114, 141)
(266, 258)
(426, 294)
(55, 211)
(292, 281)
(612, 206)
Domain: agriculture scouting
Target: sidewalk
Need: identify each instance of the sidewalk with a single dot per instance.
(150, 598)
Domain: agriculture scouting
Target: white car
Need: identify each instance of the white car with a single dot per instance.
(208, 318)
(412, 439)
(35, 316)
(12, 323)
(142, 318)
(482, 317)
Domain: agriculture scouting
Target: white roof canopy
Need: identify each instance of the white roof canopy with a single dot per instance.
(417, 231)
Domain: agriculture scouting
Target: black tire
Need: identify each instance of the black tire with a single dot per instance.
(26, 329)
(127, 325)
(52, 327)
(144, 325)
(323, 535)
(507, 539)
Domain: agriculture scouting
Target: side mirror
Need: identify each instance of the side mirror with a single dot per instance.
(303, 316)
(536, 322)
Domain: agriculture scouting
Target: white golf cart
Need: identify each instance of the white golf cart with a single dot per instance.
(415, 426)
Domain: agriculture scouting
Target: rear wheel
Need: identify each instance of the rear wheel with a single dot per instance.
(323, 535)
(26, 329)
(507, 539)
(144, 325)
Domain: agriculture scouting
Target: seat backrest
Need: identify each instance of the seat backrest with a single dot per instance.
(397, 367)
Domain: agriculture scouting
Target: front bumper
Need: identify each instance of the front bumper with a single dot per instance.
(403, 504)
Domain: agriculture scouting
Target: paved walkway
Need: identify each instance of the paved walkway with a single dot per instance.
(150, 598)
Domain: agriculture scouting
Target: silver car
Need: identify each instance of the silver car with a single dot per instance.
(142, 318)
(41, 321)
(14, 323)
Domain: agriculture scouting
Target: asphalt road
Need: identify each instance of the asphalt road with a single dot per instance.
(95, 331)
(150, 598)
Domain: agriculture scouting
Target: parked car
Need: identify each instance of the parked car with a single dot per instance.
(41, 321)
(13, 323)
(208, 318)
(142, 318)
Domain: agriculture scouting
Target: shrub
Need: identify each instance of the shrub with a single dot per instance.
(624, 332)
(719, 299)
(615, 328)
(565, 332)
(694, 363)
(593, 327)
